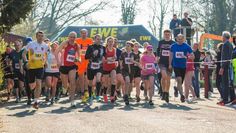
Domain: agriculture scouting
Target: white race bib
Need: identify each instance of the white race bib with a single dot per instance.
(38, 56)
(165, 53)
(70, 58)
(128, 61)
(95, 65)
(179, 54)
(83, 52)
(110, 60)
(53, 66)
(149, 66)
(17, 66)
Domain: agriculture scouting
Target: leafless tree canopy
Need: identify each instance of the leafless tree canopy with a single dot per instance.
(129, 10)
(53, 15)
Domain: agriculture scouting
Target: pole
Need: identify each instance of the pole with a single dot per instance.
(206, 83)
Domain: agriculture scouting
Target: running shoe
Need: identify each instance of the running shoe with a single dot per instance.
(17, 100)
(52, 101)
(72, 104)
(126, 100)
(163, 96)
(221, 103)
(98, 98)
(167, 97)
(112, 99)
(29, 102)
(118, 93)
(175, 91)
(86, 94)
(142, 86)
(138, 99)
(84, 99)
(91, 100)
(93, 95)
(151, 103)
(105, 99)
(182, 99)
(36, 105)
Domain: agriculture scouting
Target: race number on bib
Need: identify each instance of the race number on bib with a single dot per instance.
(95, 65)
(128, 61)
(110, 60)
(179, 54)
(149, 66)
(165, 53)
(54, 66)
(70, 58)
(17, 66)
(38, 56)
(83, 52)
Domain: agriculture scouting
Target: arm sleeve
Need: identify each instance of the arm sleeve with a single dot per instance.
(88, 53)
(171, 25)
(158, 50)
(226, 54)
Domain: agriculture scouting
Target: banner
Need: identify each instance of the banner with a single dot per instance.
(122, 33)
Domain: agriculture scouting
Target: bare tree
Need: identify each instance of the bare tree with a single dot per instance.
(54, 15)
(214, 16)
(159, 8)
(129, 10)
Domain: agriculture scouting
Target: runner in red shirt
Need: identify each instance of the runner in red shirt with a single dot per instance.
(68, 66)
(109, 68)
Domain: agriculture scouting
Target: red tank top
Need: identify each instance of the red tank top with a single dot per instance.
(109, 65)
(70, 55)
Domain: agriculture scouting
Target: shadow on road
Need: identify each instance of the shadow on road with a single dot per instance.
(177, 107)
(24, 113)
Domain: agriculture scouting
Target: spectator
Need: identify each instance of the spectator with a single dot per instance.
(227, 51)
(195, 80)
(175, 23)
(187, 23)
(218, 77)
(208, 59)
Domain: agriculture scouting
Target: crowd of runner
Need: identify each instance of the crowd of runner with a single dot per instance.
(93, 70)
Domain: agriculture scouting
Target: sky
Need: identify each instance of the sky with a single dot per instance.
(112, 15)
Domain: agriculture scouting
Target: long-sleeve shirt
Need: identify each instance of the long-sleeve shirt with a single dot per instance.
(197, 56)
(226, 54)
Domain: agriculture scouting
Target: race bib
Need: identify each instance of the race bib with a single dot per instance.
(83, 52)
(70, 58)
(165, 53)
(38, 56)
(110, 60)
(95, 65)
(17, 66)
(128, 61)
(179, 54)
(149, 66)
(54, 66)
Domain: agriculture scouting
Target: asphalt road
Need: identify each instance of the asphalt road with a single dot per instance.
(199, 117)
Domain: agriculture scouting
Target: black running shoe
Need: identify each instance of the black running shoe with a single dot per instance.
(167, 97)
(138, 99)
(163, 96)
(142, 86)
(126, 100)
(151, 103)
(29, 102)
(52, 101)
(182, 99)
(175, 91)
